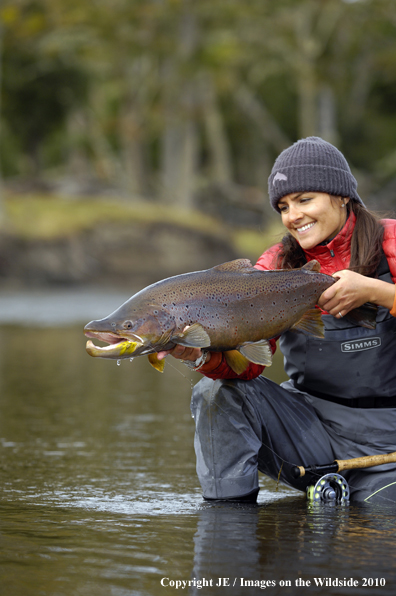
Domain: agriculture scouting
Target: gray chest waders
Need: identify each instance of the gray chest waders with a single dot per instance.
(351, 364)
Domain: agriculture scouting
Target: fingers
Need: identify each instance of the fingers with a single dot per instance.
(334, 305)
(330, 293)
(330, 301)
(181, 353)
(347, 293)
(163, 354)
(336, 300)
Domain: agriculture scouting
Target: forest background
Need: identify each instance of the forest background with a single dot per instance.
(137, 136)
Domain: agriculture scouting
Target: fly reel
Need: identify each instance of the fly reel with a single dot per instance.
(330, 488)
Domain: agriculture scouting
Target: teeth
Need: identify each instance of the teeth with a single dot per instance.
(306, 227)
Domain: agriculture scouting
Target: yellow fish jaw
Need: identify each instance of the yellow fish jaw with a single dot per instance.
(123, 349)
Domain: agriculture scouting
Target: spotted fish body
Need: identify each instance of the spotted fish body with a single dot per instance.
(232, 308)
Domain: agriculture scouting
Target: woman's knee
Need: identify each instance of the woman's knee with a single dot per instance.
(208, 393)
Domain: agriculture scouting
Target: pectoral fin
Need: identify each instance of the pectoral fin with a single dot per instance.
(194, 336)
(311, 322)
(158, 364)
(258, 352)
(236, 361)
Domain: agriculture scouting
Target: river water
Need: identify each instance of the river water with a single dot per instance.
(98, 490)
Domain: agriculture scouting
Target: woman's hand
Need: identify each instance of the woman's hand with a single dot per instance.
(182, 353)
(351, 290)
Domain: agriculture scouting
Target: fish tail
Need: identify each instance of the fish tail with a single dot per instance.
(364, 315)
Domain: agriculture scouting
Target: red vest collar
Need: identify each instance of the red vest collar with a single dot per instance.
(336, 254)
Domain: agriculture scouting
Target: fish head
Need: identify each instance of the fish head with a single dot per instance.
(129, 331)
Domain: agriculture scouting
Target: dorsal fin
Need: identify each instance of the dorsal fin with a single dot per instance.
(312, 266)
(237, 265)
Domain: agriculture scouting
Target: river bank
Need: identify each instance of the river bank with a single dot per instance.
(51, 241)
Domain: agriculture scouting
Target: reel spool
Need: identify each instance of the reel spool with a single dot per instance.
(330, 488)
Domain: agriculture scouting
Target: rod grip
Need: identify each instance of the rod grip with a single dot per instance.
(366, 462)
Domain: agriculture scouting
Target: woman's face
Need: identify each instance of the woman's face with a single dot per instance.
(312, 217)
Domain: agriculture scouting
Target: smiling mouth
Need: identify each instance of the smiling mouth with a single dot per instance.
(305, 228)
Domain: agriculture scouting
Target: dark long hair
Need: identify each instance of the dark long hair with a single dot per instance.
(366, 244)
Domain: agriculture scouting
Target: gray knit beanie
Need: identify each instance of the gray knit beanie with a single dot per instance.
(311, 165)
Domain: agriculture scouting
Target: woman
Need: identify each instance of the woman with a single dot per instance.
(340, 401)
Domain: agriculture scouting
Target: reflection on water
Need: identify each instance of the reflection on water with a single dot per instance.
(99, 495)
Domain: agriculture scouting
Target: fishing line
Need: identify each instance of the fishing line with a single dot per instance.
(180, 373)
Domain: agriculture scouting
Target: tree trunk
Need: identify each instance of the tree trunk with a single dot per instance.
(306, 75)
(179, 156)
(2, 212)
(263, 120)
(132, 149)
(220, 159)
(179, 149)
(327, 121)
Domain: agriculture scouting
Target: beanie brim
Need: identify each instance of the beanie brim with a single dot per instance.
(310, 178)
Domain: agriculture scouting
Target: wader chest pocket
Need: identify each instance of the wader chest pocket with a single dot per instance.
(353, 362)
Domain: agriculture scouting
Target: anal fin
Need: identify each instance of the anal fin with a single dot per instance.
(311, 323)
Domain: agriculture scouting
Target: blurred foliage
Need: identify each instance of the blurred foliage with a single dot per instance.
(161, 98)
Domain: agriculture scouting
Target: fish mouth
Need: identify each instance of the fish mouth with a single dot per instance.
(117, 347)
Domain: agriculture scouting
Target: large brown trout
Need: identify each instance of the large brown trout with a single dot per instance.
(232, 308)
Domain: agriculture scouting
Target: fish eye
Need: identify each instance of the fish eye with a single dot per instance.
(127, 325)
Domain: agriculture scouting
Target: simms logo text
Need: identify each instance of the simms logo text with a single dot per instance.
(358, 346)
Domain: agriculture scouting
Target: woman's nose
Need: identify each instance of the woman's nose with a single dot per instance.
(294, 213)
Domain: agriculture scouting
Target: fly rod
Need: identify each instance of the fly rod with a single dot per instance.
(345, 464)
